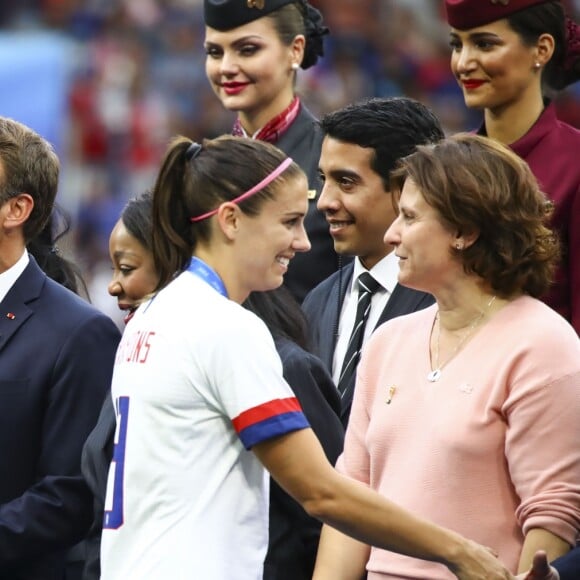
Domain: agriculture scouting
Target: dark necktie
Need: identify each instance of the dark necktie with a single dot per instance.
(367, 286)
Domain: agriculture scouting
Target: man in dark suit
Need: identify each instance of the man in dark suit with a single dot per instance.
(56, 361)
(362, 144)
(568, 566)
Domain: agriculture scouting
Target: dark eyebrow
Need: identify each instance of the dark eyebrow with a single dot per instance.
(338, 174)
(480, 35)
(123, 253)
(475, 35)
(237, 43)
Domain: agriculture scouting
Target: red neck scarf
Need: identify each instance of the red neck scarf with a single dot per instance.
(274, 128)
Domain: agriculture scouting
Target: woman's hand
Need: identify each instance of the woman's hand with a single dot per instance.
(480, 563)
(540, 569)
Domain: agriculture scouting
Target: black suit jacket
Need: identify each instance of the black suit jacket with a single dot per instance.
(569, 565)
(56, 361)
(303, 141)
(322, 307)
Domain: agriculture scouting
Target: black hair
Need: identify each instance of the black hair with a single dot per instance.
(549, 18)
(393, 127)
(281, 313)
(137, 217)
(49, 257)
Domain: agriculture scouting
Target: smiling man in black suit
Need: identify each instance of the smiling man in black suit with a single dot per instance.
(362, 144)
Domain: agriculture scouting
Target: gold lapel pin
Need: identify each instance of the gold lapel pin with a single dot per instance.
(259, 4)
(392, 390)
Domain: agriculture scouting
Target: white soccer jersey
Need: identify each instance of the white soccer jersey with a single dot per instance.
(197, 382)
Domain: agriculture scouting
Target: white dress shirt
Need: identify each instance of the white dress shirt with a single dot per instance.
(10, 276)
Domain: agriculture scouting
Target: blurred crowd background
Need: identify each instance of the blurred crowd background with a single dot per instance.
(108, 82)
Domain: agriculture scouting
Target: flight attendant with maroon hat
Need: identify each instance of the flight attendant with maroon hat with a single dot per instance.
(254, 50)
(504, 53)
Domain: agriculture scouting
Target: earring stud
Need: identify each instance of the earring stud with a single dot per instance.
(537, 65)
(295, 66)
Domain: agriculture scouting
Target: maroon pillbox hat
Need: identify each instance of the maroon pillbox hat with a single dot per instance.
(466, 14)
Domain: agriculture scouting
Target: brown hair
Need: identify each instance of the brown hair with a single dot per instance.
(288, 22)
(477, 185)
(29, 165)
(190, 185)
(301, 18)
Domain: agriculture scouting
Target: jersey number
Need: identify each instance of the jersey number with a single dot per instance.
(113, 518)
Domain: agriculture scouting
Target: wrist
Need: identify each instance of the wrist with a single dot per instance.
(456, 551)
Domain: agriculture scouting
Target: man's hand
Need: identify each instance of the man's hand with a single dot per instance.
(540, 569)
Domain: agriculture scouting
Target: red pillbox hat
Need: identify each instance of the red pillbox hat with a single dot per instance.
(466, 14)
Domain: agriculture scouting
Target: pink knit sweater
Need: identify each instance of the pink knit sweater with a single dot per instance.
(491, 450)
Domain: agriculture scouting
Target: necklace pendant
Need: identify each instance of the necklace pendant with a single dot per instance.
(434, 376)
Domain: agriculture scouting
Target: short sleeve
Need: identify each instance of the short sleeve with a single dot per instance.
(246, 378)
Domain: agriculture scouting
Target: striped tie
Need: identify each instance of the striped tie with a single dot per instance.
(367, 286)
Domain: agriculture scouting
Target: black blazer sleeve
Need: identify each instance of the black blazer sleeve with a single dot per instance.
(96, 458)
(569, 565)
(318, 396)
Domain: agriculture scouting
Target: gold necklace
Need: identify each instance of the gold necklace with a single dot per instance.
(435, 374)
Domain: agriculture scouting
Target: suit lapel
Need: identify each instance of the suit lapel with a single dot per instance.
(335, 302)
(14, 309)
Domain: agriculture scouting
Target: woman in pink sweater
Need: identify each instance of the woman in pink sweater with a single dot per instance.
(467, 412)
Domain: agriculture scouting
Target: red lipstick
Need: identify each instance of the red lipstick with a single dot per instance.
(233, 88)
(472, 84)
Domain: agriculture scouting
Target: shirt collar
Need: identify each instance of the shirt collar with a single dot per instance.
(385, 272)
(9, 277)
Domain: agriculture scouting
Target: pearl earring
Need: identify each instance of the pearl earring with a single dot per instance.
(537, 65)
(295, 66)
(459, 245)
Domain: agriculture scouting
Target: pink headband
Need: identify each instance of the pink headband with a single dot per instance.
(268, 179)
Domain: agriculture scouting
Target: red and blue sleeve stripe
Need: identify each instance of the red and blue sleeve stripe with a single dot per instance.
(269, 420)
